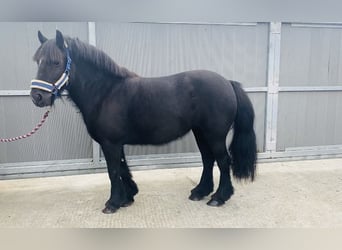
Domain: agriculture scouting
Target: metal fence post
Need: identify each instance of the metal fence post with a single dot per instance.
(92, 41)
(272, 87)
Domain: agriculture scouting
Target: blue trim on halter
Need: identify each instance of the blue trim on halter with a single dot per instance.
(42, 85)
(55, 88)
(68, 64)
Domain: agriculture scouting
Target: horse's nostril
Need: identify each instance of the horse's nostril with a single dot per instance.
(39, 97)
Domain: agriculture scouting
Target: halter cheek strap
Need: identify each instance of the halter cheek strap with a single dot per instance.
(55, 88)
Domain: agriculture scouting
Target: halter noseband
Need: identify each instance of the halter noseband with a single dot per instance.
(55, 88)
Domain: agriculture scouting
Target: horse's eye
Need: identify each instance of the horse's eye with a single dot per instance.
(56, 63)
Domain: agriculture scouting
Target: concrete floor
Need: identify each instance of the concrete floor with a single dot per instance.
(285, 194)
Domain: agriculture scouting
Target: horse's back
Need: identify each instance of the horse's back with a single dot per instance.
(204, 85)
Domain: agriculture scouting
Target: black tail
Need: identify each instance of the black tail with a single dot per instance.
(243, 147)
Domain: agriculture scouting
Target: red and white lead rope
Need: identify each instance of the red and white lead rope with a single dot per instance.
(30, 133)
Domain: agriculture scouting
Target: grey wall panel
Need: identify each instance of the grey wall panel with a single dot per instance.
(310, 56)
(259, 104)
(309, 119)
(63, 136)
(18, 44)
(236, 52)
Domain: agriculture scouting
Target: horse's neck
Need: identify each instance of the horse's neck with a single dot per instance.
(88, 87)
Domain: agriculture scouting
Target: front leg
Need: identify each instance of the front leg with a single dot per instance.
(112, 153)
(126, 176)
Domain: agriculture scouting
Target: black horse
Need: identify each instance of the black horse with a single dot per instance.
(119, 107)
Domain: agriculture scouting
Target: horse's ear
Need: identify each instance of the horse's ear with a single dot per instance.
(59, 39)
(41, 37)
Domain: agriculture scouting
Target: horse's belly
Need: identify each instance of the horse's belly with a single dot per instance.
(158, 135)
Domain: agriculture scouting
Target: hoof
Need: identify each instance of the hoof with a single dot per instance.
(195, 197)
(127, 203)
(215, 203)
(109, 210)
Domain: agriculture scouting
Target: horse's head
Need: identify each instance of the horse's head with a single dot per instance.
(54, 62)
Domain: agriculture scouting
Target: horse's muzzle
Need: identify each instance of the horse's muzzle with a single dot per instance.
(40, 99)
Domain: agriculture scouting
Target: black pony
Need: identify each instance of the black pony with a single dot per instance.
(119, 107)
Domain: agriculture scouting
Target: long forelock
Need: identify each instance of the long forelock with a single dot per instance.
(48, 50)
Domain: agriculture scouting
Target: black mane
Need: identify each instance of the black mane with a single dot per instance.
(99, 59)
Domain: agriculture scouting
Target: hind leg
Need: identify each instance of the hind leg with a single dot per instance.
(225, 189)
(206, 184)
